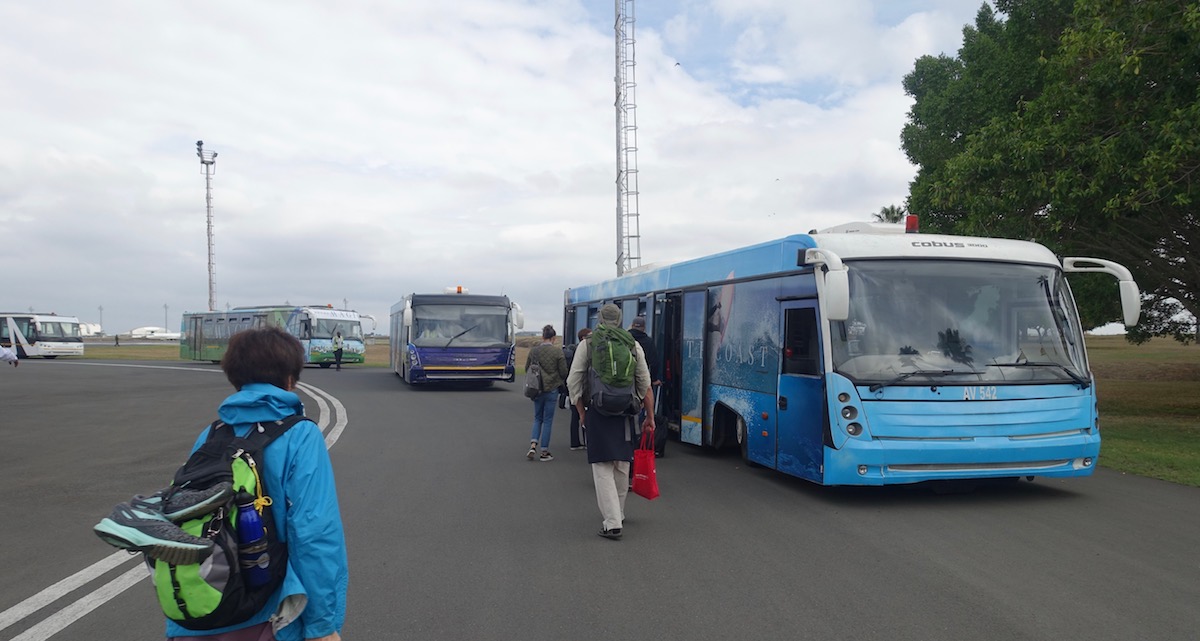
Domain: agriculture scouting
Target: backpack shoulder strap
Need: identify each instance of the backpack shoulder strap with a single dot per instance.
(262, 434)
(219, 431)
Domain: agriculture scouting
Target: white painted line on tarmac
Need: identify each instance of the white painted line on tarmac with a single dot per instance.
(182, 369)
(321, 395)
(72, 613)
(322, 407)
(55, 592)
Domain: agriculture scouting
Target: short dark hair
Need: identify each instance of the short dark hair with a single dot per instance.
(584, 333)
(263, 355)
(548, 332)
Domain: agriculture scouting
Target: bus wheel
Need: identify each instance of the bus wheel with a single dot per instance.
(740, 433)
(324, 365)
(743, 441)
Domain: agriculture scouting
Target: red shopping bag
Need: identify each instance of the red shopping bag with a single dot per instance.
(645, 480)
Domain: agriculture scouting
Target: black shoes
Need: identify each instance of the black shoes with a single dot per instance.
(614, 534)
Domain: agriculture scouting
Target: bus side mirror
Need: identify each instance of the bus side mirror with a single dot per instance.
(1131, 299)
(837, 295)
(518, 316)
(408, 317)
(1131, 302)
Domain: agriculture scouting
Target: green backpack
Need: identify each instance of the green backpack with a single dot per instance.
(610, 379)
(216, 592)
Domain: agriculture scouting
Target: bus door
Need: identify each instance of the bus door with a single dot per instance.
(195, 336)
(801, 414)
(690, 376)
(666, 333)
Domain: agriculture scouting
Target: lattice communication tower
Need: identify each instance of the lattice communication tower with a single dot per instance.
(208, 164)
(629, 243)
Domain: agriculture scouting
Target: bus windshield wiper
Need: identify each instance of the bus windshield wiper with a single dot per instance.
(460, 334)
(920, 372)
(1082, 382)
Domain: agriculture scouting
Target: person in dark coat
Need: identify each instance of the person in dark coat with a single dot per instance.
(578, 438)
(637, 329)
(610, 438)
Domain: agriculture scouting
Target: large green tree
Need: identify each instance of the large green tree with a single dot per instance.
(1098, 157)
(996, 69)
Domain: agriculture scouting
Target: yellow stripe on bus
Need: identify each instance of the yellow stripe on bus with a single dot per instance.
(452, 368)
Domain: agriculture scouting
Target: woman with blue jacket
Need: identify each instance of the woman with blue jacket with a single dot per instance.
(264, 366)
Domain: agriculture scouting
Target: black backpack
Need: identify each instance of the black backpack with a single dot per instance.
(214, 593)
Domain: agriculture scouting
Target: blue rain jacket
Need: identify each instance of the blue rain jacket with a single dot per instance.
(298, 477)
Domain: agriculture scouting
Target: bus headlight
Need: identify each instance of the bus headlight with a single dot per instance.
(849, 412)
(854, 429)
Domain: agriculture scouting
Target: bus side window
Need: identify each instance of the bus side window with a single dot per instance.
(801, 349)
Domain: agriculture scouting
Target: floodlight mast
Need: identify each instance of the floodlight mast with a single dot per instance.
(629, 250)
(208, 164)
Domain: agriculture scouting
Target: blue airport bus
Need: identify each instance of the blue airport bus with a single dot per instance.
(864, 355)
(454, 336)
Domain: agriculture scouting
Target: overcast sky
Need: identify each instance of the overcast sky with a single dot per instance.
(367, 150)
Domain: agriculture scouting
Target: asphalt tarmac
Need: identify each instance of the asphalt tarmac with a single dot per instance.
(453, 534)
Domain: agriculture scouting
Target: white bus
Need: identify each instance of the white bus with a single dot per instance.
(38, 334)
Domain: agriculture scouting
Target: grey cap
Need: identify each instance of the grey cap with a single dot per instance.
(639, 321)
(610, 315)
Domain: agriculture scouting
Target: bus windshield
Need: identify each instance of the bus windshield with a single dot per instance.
(325, 327)
(58, 330)
(460, 325)
(922, 322)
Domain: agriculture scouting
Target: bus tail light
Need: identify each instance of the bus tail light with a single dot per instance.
(912, 224)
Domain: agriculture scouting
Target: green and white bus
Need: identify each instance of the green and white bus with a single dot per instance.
(205, 335)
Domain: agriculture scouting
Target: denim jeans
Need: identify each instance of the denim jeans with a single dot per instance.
(544, 405)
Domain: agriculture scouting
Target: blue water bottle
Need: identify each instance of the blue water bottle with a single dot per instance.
(252, 543)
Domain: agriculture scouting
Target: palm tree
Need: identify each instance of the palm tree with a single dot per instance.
(890, 214)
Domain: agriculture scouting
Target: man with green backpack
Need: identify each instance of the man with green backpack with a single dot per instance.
(609, 383)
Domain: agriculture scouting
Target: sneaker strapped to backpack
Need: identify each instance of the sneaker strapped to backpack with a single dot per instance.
(140, 526)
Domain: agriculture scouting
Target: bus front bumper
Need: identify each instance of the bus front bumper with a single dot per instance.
(886, 462)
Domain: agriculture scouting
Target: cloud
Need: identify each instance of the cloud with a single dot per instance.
(371, 150)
